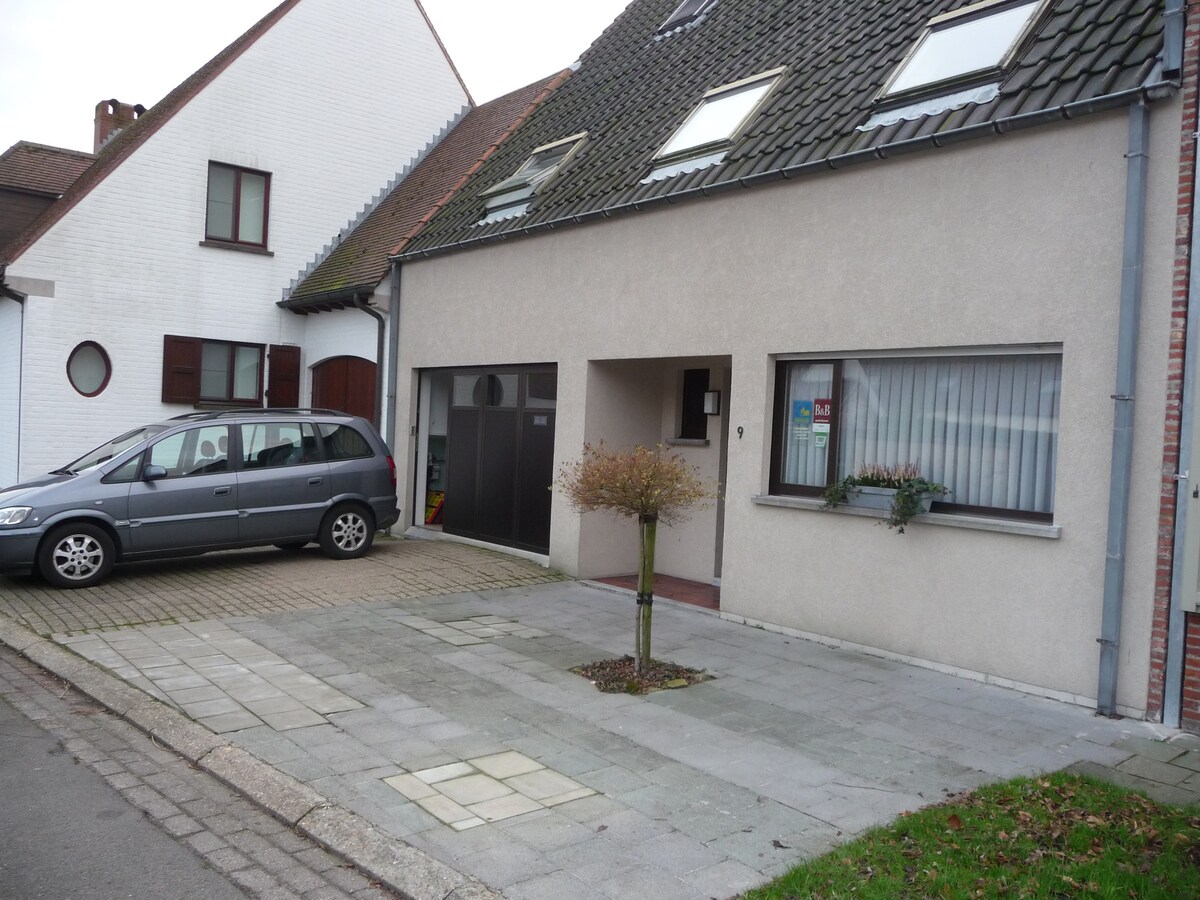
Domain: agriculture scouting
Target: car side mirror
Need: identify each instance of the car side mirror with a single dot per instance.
(154, 473)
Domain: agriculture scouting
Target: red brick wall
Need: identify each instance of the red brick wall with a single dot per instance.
(1170, 465)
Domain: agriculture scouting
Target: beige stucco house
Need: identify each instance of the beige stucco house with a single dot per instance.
(789, 241)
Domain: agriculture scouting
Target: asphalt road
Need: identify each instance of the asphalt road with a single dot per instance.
(65, 834)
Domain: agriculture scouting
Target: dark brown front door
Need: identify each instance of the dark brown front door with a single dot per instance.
(346, 383)
(500, 456)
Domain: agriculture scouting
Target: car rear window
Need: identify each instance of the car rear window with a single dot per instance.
(343, 442)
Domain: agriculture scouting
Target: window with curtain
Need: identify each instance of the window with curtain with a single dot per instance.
(986, 426)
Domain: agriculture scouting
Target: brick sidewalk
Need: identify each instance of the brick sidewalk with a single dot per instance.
(260, 582)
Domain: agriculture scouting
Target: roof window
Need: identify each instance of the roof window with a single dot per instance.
(707, 133)
(977, 41)
(514, 195)
(685, 14)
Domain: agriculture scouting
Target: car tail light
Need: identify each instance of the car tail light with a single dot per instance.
(392, 471)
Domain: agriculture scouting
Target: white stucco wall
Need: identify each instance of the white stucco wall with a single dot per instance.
(126, 262)
(1001, 242)
(10, 382)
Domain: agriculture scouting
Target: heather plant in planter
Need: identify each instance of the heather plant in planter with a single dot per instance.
(909, 493)
(651, 486)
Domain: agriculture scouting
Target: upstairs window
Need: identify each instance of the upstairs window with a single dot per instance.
(687, 12)
(237, 205)
(976, 41)
(514, 195)
(707, 133)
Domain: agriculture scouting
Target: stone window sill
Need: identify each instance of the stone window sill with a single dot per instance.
(240, 248)
(951, 520)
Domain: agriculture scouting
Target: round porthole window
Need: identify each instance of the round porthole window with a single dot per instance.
(88, 368)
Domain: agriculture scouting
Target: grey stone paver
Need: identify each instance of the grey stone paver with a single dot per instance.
(379, 675)
(231, 834)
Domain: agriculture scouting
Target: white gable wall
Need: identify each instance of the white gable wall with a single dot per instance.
(126, 262)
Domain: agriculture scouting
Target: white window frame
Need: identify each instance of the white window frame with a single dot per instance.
(668, 161)
(948, 22)
(680, 19)
(514, 195)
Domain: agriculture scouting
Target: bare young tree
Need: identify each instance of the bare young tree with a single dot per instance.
(649, 485)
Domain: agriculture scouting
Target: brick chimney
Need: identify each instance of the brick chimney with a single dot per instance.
(111, 117)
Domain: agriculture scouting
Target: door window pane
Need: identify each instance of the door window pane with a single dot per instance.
(268, 445)
(541, 390)
(466, 390)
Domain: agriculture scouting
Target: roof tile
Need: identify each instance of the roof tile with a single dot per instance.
(39, 169)
(631, 91)
(361, 261)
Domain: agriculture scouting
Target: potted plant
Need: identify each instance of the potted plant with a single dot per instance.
(899, 489)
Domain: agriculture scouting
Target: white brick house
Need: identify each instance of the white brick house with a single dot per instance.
(195, 218)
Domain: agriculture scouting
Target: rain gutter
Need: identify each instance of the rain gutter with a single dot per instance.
(381, 324)
(20, 298)
(1158, 89)
(1133, 256)
(389, 436)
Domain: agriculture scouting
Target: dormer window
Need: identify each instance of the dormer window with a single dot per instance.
(709, 131)
(513, 196)
(685, 14)
(969, 44)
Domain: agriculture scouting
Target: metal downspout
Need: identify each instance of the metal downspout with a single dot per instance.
(1122, 452)
(375, 314)
(389, 436)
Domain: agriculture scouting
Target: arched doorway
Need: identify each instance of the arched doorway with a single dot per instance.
(346, 383)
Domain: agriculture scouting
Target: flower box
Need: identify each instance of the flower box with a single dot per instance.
(881, 498)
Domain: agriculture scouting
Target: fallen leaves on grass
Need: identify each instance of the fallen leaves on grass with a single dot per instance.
(618, 676)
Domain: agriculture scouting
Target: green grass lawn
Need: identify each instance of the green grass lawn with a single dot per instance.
(1053, 836)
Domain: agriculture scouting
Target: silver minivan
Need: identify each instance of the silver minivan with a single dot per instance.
(201, 482)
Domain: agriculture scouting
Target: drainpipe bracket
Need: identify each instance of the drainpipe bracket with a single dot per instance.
(1121, 397)
(1108, 642)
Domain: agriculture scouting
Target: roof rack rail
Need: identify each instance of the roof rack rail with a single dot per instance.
(205, 415)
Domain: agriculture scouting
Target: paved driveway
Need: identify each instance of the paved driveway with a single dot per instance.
(259, 582)
(427, 688)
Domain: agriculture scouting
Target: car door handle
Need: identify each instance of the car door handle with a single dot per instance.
(222, 491)
(317, 479)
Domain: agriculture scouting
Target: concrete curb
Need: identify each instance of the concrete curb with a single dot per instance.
(409, 872)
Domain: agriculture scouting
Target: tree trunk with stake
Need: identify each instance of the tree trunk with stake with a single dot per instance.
(649, 485)
(645, 592)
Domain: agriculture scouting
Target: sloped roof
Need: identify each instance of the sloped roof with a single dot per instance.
(632, 91)
(130, 138)
(40, 169)
(361, 260)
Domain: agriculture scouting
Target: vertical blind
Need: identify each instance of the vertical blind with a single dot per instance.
(984, 426)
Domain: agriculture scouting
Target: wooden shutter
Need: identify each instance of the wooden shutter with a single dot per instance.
(181, 369)
(283, 376)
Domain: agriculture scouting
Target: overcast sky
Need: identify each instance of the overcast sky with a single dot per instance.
(59, 58)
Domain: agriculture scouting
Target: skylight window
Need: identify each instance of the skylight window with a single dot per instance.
(514, 195)
(706, 134)
(977, 40)
(687, 12)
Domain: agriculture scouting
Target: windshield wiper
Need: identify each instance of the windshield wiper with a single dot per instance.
(62, 472)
